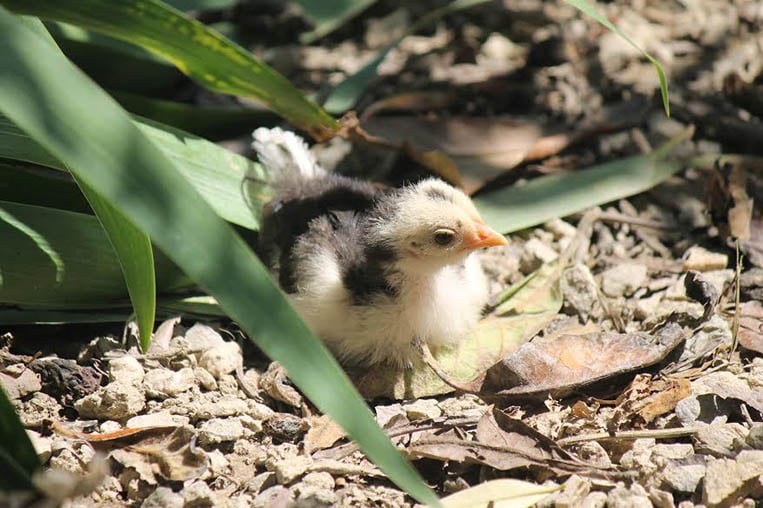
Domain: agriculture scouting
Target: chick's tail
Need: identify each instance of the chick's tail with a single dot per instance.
(286, 156)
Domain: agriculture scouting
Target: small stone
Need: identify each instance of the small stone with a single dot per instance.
(218, 464)
(319, 479)
(720, 440)
(205, 379)
(534, 254)
(43, 446)
(560, 229)
(38, 408)
(157, 420)
(227, 385)
(580, 291)
(201, 337)
(18, 381)
(276, 495)
(623, 279)
(635, 497)
(216, 407)
(422, 409)
(684, 479)
(164, 383)
(114, 401)
(729, 479)
(220, 430)
(258, 410)
(109, 426)
(163, 497)
(261, 482)
(197, 493)
(702, 260)
(126, 369)
(290, 469)
(222, 359)
(755, 436)
(596, 499)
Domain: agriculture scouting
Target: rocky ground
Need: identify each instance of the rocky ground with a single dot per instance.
(219, 426)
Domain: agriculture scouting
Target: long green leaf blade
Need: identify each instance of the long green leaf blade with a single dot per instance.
(521, 206)
(198, 51)
(214, 171)
(87, 131)
(589, 10)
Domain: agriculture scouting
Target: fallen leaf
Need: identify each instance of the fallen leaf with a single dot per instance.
(323, 433)
(559, 365)
(648, 398)
(276, 384)
(503, 493)
(528, 307)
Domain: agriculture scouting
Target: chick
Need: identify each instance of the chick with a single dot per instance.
(371, 271)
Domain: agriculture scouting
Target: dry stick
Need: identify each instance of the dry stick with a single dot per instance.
(631, 434)
(737, 304)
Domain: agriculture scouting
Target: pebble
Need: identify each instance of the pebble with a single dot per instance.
(702, 260)
(164, 383)
(623, 279)
(290, 469)
(214, 406)
(221, 430)
(43, 446)
(222, 359)
(682, 478)
(18, 381)
(422, 409)
(201, 337)
(205, 379)
(720, 440)
(727, 479)
(126, 369)
(197, 494)
(163, 497)
(580, 290)
(534, 254)
(114, 401)
(755, 436)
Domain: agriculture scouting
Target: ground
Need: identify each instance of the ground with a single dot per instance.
(539, 88)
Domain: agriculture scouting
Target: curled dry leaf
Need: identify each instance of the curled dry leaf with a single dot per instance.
(530, 306)
(646, 398)
(558, 365)
(503, 493)
(276, 384)
(323, 433)
(171, 449)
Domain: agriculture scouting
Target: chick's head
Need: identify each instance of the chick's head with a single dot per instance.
(432, 224)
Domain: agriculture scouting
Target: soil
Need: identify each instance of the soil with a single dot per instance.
(225, 428)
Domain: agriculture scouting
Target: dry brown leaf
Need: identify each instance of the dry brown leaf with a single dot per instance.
(503, 493)
(324, 433)
(276, 384)
(568, 362)
(648, 398)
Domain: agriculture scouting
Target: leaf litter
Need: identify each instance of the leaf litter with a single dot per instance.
(659, 408)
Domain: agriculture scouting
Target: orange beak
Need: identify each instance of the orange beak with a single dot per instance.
(484, 237)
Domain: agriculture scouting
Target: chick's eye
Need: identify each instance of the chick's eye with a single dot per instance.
(444, 237)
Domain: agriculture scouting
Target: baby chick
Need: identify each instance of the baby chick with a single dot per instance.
(371, 271)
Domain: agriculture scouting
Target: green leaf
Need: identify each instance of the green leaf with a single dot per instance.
(201, 53)
(541, 199)
(133, 250)
(201, 5)
(589, 10)
(18, 460)
(328, 16)
(215, 172)
(136, 258)
(85, 129)
(213, 123)
(59, 259)
(346, 94)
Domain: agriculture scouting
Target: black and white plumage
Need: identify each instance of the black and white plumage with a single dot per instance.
(371, 271)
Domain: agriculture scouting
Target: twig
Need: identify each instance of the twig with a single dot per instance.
(631, 434)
